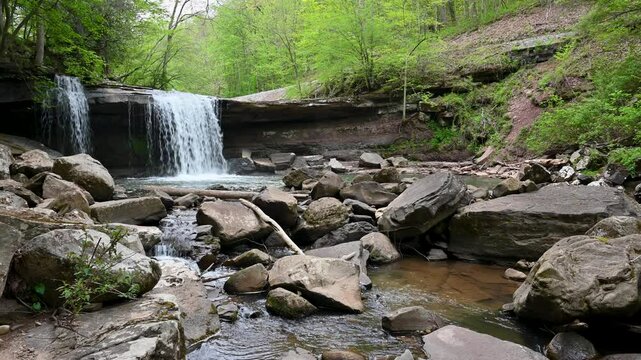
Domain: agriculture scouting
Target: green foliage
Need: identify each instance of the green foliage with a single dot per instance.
(94, 274)
(628, 157)
(37, 297)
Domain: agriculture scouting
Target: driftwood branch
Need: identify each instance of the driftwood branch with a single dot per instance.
(208, 280)
(279, 230)
(220, 194)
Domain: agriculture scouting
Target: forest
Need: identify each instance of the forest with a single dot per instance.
(333, 48)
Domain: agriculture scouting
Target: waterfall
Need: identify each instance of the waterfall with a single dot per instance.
(65, 121)
(184, 133)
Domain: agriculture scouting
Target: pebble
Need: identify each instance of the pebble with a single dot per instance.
(4, 329)
(515, 275)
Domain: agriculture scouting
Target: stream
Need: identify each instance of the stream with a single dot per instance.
(465, 294)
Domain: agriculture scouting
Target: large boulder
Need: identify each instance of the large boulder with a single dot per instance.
(583, 277)
(10, 239)
(380, 247)
(353, 231)
(524, 226)
(412, 319)
(87, 172)
(372, 160)
(45, 259)
(279, 205)
(325, 282)
(136, 211)
(249, 258)
(351, 251)
(52, 187)
(10, 199)
(329, 185)
(251, 279)
(288, 304)
(369, 192)
(424, 204)
(17, 188)
(616, 226)
(536, 173)
(6, 159)
(232, 222)
(321, 217)
(31, 163)
(456, 343)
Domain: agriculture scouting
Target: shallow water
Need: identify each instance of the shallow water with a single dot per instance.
(466, 294)
(202, 181)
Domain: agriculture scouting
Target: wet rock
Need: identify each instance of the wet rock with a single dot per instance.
(584, 179)
(309, 184)
(394, 188)
(282, 161)
(567, 173)
(86, 172)
(513, 274)
(369, 192)
(351, 251)
(508, 186)
(398, 161)
(31, 163)
(265, 166)
(372, 160)
(570, 346)
(616, 174)
(387, 175)
(359, 207)
(166, 200)
(288, 304)
(18, 189)
(279, 205)
(336, 166)
(341, 355)
(456, 343)
(329, 185)
(6, 159)
(616, 226)
(5, 329)
(436, 255)
(188, 201)
(228, 312)
(321, 217)
(423, 205)
(203, 230)
(601, 273)
(296, 177)
(524, 226)
(10, 241)
(137, 211)
(183, 282)
(232, 222)
(45, 259)
(325, 282)
(477, 193)
(249, 258)
(347, 233)
(205, 254)
(241, 166)
(67, 201)
(412, 319)
(10, 199)
(362, 218)
(21, 178)
(251, 279)
(381, 250)
(362, 178)
(298, 354)
(536, 173)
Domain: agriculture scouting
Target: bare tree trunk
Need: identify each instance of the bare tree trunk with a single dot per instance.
(40, 44)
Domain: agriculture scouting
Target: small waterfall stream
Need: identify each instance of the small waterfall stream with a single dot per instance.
(184, 134)
(65, 122)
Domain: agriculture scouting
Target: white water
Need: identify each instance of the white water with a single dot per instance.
(184, 132)
(70, 125)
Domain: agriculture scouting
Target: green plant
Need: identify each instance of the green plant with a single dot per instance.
(628, 157)
(94, 275)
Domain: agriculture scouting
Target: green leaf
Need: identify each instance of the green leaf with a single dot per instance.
(39, 289)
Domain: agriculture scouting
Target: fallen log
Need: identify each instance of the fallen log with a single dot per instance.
(279, 230)
(219, 194)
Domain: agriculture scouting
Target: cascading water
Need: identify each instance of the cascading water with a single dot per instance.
(184, 133)
(65, 121)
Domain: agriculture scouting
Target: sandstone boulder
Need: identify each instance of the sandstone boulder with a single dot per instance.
(282, 161)
(369, 192)
(582, 277)
(232, 222)
(10, 199)
(31, 163)
(321, 217)
(296, 177)
(53, 186)
(279, 205)
(10, 240)
(360, 208)
(329, 185)
(351, 251)
(387, 175)
(536, 173)
(424, 204)
(336, 166)
(570, 346)
(6, 159)
(526, 225)
(288, 304)
(251, 279)
(381, 250)
(372, 160)
(325, 282)
(410, 320)
(249, 258)
(136, 211)
(616, 226)
(88, 173)
(17, 188)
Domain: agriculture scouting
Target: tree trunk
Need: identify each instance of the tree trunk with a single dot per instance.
(40, 44)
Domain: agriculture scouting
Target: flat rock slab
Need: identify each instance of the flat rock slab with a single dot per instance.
(138, 211)
(456, 343)
(524, 226)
